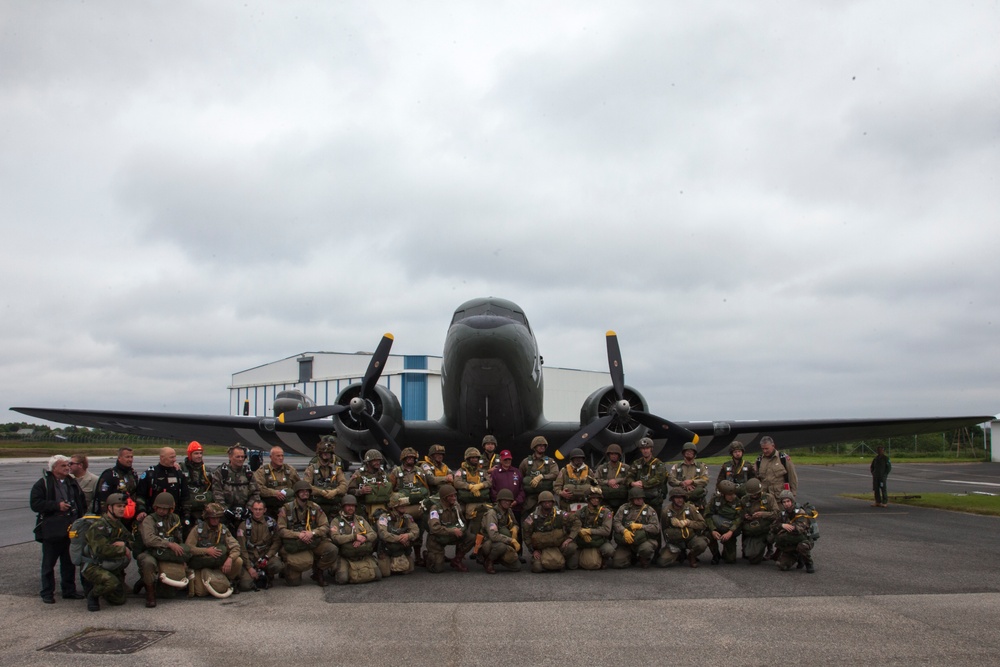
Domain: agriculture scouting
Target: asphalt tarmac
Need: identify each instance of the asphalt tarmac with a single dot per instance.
(894, 586)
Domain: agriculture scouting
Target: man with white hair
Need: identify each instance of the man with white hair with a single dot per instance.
(58, 501)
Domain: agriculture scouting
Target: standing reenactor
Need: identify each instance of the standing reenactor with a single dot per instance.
(120, 478)
(326, 477)
(165, 476)
(407, 479)
(505, 476)
(775, 469)
(550, 535)
(636, 528)
(596, 524)
(880, 468)
(275, 481)
(398, 534)
(473, 486)
(303, 528)
(499, 532)
(214, 547)
(108, 553)
(647, 474)
(538, 471)
(371, 485)
(199, 483)
(233, 486)
(724, 520)
(612, 476)
(259, 546)
(79, 467)
(162, 536)
(573, 482)
(791, 535)
(690, 475)
(491, 457)
(355, 540)
(760, 510)
(58, 501)
(446, 526)
(436, 471)
(683, 528)
(737, 469)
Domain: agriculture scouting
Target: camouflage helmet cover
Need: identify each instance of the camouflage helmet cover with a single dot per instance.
(407, 452)
(472, 452)
(436, 449)
(373, 455)
(214, 511)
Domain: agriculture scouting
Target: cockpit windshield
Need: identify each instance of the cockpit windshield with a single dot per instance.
(490, 308)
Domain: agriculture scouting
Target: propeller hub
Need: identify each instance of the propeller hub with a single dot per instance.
(357, 405)
(623, 407)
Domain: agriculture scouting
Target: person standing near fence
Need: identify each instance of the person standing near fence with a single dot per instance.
(880, 468)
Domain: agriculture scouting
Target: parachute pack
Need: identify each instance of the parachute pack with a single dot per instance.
(813, 515)
(79, 554)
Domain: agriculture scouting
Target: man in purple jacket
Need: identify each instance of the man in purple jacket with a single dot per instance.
(505, 476)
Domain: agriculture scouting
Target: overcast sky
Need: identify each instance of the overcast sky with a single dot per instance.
(785, 209)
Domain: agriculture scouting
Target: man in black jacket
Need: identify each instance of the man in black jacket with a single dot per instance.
(58, 501)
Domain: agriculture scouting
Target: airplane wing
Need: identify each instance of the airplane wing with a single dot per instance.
(715, 437)
(254, 432)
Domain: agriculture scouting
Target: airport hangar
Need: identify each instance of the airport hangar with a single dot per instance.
(414, 379)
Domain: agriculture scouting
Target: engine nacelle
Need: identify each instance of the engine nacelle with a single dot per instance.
(382, 405)
(625, 432)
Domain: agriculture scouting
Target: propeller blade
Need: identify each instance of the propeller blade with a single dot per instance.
(387, 445)
(615, 364)
(376, 365)
(583, 435)
(305, 414)
(663, 428)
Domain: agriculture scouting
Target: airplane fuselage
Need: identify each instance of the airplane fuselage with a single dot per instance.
(491, 375)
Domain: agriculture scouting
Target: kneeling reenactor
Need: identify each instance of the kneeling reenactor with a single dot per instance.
(594, 538)
(636, 527)
(213, 547)
(259, 545)
(304, 529)
(683, 528)
(724, 519)
(791, 534)
(760, 510)
(355, 539)
(499, 544)
(397, 535)
(445, 526)
(550, 534)
(108, 552)
(161, 534)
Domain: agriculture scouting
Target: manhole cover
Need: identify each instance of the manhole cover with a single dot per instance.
(108, 642)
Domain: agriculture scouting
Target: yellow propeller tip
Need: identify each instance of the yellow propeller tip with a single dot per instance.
(281, 418)
(695, 439)
(389, 336)
(559, 455)
(610, 333)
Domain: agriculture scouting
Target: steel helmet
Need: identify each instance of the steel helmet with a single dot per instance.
(214, 511)
(373, 455)
(614, 449)
(576, 453)
(725, 487)
(753, 486)
(472, 452)
(546, 496)
(408, 451)
(436, 449)
(446, 490)
(164, 499)
(505, 494)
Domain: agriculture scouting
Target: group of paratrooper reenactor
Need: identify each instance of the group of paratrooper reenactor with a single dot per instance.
(239, 530)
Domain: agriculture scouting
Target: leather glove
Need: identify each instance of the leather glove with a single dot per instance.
(513, 533)
(515, 545)
(676, 523)
(629, 536)
(636, 526)
(585, 534)
(536, 480)
(475, 489)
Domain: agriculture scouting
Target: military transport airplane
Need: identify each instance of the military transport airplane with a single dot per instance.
(491, 383)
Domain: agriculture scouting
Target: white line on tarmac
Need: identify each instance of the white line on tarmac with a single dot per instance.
(959, 481)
